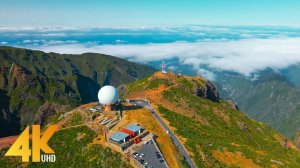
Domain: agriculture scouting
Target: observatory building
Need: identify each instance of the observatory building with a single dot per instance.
(108, 97)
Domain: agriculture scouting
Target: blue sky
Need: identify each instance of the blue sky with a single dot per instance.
(90, 13)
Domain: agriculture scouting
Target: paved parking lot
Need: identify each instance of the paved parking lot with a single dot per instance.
(146, 104)
(151, 155)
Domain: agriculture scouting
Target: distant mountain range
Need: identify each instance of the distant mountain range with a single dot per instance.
(34, 84)
(273, 97)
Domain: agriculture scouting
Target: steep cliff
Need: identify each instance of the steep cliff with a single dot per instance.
(34, 84)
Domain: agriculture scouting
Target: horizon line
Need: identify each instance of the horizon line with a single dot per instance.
(145, 27)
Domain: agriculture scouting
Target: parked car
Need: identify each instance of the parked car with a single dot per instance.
(141, 155)
(135, 154)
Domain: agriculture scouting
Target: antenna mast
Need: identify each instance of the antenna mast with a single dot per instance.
(163, 67)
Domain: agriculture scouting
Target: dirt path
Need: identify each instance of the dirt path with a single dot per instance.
(7, 141)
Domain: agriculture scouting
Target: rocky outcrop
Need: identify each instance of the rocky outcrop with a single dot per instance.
(242, 126)
(296, 138)
(208, 92)
(48, 109)
(233, 105)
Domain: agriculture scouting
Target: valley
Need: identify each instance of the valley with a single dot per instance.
(186, 117)
(35, 85)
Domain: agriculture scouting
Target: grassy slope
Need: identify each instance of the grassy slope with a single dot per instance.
(73, 148)
(271, 99)
(215, 133)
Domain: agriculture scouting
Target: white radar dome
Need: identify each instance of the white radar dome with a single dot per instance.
(108, 95)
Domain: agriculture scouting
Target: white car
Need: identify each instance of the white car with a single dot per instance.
(141, 155)
(135, 154)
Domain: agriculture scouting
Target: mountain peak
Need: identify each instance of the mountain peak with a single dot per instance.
(214, 131)
(163, 81)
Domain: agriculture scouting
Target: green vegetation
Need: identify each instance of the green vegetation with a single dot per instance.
(37, 78)
(271, 99)
(146, 83)
(73, 148)
(76, 119)
(186, 84)
(156, 82)
(215, 132)
(32, 102)
(184, 162)
(53, 119)
(137, 85)
(221, 134)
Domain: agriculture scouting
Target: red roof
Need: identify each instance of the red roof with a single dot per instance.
(131, 134)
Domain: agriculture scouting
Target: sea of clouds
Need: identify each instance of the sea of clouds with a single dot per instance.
(244, 50)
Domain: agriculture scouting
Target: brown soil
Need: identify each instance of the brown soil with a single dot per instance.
(285, 143)
(7, 141)
(234, 159)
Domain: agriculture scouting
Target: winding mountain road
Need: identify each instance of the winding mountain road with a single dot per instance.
(145, 104)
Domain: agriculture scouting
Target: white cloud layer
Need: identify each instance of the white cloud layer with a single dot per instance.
(243, 56)
(36, 29)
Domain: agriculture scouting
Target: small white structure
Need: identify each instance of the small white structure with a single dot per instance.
(108, 95)
(93, 110)
(163, 67)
